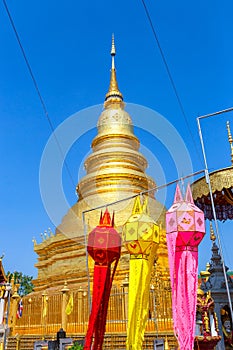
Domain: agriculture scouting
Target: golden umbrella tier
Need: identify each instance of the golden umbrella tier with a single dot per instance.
(222, 189)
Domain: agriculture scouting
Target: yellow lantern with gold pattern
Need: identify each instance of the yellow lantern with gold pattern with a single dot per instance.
(140, 232)
(141, 238)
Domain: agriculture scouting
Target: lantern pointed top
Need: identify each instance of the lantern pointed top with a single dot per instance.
(113, 219)
(183, 204)
(145, 208)
(189, 196)
(178, 195)
(101, 217)
(105, 220)
(137, 208)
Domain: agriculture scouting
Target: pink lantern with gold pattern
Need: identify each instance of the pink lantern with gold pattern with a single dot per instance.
(185, 228)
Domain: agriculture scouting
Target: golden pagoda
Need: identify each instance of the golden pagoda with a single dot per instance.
(115, 170)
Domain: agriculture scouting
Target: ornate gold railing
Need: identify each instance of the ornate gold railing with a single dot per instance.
(44, 314)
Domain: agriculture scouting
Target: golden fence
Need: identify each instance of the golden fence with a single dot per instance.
(44, 314)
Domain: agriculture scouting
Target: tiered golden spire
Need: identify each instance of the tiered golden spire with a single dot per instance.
(113, 95)
(115, 167)
(230, 140)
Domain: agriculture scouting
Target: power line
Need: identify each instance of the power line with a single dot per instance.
(170, 77)
(43, 102)
(38, 91)
(156, 188)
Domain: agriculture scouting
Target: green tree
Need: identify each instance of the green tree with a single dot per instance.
(76, 346)
(25, 281)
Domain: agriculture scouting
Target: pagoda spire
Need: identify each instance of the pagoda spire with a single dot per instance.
(113, 52)
(212, 235)
(230, 140)
(113, 95)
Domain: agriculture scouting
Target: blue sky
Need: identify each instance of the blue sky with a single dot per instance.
(67, 44)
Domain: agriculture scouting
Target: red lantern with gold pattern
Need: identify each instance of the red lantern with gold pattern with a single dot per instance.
(104, 246)
(104, 241)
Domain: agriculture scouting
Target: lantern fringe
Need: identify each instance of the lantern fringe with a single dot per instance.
(103, 279)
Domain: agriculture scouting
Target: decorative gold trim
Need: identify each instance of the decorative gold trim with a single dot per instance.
(101, 138)
(220, 180)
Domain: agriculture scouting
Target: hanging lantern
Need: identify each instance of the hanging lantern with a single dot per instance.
(104, 246)
(141, 238)
(104, 241)
(140, 232)
(185, 230)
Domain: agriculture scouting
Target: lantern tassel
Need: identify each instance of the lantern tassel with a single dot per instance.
(185, 230)
(139, 282)
(100, 277)
(102, 315)
(101, 292)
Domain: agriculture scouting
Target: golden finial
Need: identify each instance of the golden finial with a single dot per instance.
(212, 235)
(200, 292)
(65, 288)
(113, 95)
(205, 274)
(113, 52)
(230, 140)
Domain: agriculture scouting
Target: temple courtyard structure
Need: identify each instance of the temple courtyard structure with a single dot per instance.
(115, 174)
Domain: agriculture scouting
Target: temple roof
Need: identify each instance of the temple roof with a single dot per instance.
(222, 188)
(221, 182)
(216, 280)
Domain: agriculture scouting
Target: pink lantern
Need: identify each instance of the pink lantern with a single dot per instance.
(185, 227)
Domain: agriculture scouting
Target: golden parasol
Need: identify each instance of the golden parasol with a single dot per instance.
(222, 189)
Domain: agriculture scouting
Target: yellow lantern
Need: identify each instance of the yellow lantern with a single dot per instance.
(141, 238)
(140, 232)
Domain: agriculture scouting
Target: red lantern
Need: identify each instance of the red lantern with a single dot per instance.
(104, 242)
(104, 246)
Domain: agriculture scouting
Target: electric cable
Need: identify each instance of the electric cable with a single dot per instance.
(117, 202)
(38, 91)
(43, 102)
(171, 79)
(156, 188)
